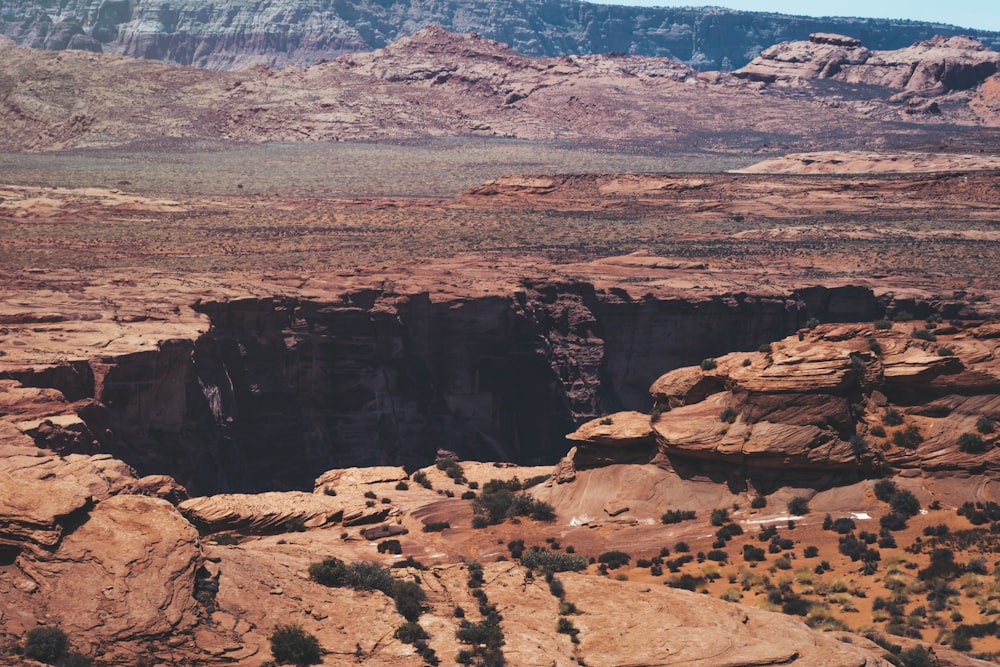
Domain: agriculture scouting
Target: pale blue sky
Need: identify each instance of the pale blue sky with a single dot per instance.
(980, 14)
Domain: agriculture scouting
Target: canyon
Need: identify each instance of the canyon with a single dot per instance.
(447, 354)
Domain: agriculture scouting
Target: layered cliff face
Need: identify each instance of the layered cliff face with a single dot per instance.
(280, 389)
(232, 35)
(826, 406)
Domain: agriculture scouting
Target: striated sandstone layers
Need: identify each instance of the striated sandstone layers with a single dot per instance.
(819, 406)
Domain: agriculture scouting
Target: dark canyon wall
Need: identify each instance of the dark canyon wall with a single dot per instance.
(229, 35)
(283, 388)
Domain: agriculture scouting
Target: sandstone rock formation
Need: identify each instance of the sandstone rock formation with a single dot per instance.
(809, 405)
(918, 74)
(229, 36)
(462, 85)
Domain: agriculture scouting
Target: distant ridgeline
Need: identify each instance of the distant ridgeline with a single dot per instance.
(228, 34)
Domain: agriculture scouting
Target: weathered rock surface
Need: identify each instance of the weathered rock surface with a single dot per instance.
(919, 73)
(867, 162)
(799, 405)
(229, 35)
(430, 84)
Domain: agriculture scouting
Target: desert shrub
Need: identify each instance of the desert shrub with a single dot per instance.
(810, 552)
(614, 559)
(402, 486)
(409, 598)
(882, 325)
(682, 547)
(468, 495)
(390, 546)
(420, 477)
(908, 437)
(538, 559)
(290, 644)
(923, 334)
(717, 555)
(452, 469)
(887, 541)
(728, 531)
(728, 415)
(798, 506)
(516, 548)
(892, 417)
(893, 521)
(753, 554)
(719, 517)
(971, 443)
(914, 657)
(436, 526)
(676, 516)
(905, 503)
(409, 561)
(842, 525)
(858, 444)
(328, 572)
(767, 532)
(877, 431)
(902, 316)
(483, 633)
(410, 632)
(758, 502)
(371, 494)
(980, 513)
(46, 644)
(884, 489)
(709, 364)
(945, 351)
(985, 425)
(565, 626)
(812, 323)
(875, 346)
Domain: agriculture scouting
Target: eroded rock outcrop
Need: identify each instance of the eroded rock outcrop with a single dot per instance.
(834, 401)
(920, 78)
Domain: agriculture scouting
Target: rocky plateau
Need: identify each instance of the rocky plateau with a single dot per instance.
(430, 375)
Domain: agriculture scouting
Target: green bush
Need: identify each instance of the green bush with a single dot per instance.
(436, 526)
(719, 517)
(924, 334)
(728, 415)
(483, 633)
(538, 559)
(328, 572)
(709, 364)
(884, 489)
(798, 506)
(402, 486)
(614, 559)
(971, 443)
(985, 425)
(892, 417)
(758, 502)
(46, 644)
(908, 437)
(904, 503)
(409, 598)
(420, 477)
(410, 632)
(290, 644)
(877, 431)
(882, 325)
(390, 546)
(676, 516)
(902, 316)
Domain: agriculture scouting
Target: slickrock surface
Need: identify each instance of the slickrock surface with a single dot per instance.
(865, 162)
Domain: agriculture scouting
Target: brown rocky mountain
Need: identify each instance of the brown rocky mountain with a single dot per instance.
(231, 35)
(927, 75)
(437, 84)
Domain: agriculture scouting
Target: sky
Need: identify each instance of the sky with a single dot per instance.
(979, 14)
